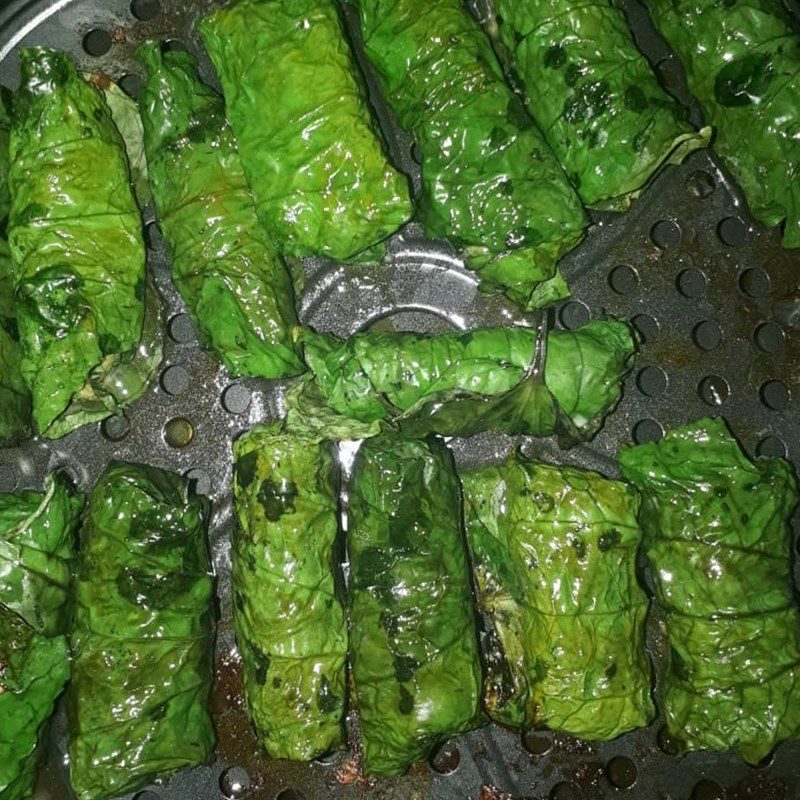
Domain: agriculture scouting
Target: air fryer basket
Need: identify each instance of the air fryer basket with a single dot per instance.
(714, 295)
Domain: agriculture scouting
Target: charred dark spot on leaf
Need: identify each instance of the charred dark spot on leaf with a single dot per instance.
(405, 667)
(579, 546)
(517, 115)
(589, 101)
(572, 74)
(108, 343)
(544, 502)
(635, 99)
(261, 663)
(147, 590)
(276, 682)
(277, 498)
(406, 704)
(611, 538)
(555, 57)
(327, 701)
(611, 672)
(745, 81)
(246, 468)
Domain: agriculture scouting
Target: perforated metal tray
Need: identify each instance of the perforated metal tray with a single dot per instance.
(715, 296)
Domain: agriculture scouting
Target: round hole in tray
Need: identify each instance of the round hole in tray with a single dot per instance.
(772, 447)
(180, 329)
(97, 42)
(174, 46)
(178, 432)
(290, 794)
(236, 398)
(714, 390)
(691, 283)
(234, 782)
(147, 795)
(130, 84)
(707, 790)
(754, 282)
(573, 314)
(769, 337)
(537, 744)
(665, 234)
(700, 184)
(200, 479)
(647, 430)
(145, 10)
(328, 759)
(446, 759)
(707, 335)
(621, 772)
(175, 380)
(646, 325)
(152, 235)
(565, 791)
(774, 395)
(652, 381)
(668, 743)
(732, 231)
(623, 279)
(115, 428)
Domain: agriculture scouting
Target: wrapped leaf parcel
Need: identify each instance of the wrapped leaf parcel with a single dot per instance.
(413, 640)
(742, 62)
(290, 622)
(37, 534)
(226, 268)
(490, 182)
(595, 96)
(142, 640)
(15, 399)
(89, 328)
(310, 150)
(461, 383)
(716, 531)
(554, 553)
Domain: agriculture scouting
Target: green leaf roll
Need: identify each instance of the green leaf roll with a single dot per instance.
(413, 640)
(290, 622)
(490, 182)
(595, 96)
(742, 62)
(461, 383)
(15, 399)
(37, 542)
(89, 343)
(554, 553)
(310, 151)
(33, 672)
(37, 537)
(716, 531)
(138, 701)
(235, 284)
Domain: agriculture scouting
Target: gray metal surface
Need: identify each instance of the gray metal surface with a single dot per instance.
(715, 296)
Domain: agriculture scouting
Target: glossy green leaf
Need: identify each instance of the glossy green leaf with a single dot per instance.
(15, 399)
(717, 537)
(413, 641)
(142, 639)
(37, 543)
(742, 62)
(595, 96)
(290, 624)
(234, 283)
(554, 553)
(76, 239)
(33, 672)
(461, 383)
(490, 182)
(310, 150)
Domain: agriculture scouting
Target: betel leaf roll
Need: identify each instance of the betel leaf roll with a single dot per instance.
(413, 640)
(461, 383)
(742, 62)
(37, 536)
(235, 284)
(138, 701)
(290, 623)
(15, 399)
(310, 151)
(490, 182)
(595, 96)
(717, 537)
(88, 325)
(554, 553)
(33, 672)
